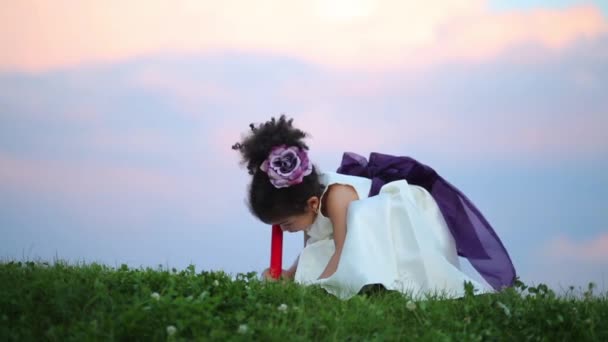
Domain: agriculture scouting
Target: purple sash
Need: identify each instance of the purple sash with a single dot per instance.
(475, 239)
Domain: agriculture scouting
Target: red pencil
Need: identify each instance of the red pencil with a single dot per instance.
(276, 252)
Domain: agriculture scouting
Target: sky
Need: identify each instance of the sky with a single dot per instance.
(116, 121)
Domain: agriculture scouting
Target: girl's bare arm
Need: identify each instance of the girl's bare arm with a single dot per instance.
(338, 198)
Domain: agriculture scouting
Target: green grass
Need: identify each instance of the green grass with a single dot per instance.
(61, 302)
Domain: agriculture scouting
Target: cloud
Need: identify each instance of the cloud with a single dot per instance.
(331, 133)
(96, 188)
(564, 248)
(580, 135)
(362, 34)
(186, 92)
(562, 261)
(81, 178)
(480, 37)
(164, 111)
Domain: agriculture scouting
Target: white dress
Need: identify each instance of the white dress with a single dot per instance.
(397, 238)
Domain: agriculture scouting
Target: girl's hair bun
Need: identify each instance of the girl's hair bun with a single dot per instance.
(255, 147)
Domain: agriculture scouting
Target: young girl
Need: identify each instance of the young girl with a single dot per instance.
(389, 221)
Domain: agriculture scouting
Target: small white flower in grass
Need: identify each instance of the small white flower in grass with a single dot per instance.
(216, 283)
(504, 308)
(171, 330)
(283, 307)
(410, 305)
(155, 296)
(243, 329)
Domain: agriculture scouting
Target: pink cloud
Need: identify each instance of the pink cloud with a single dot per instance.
(81, 179)
(139, 142)
(458, 138)
(187, 93)
(595, 250)
(577, 135)
(94, 188)
(483, 36)
(328, 134)
(41, 35)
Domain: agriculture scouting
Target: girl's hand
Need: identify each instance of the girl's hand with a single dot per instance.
(285, 275)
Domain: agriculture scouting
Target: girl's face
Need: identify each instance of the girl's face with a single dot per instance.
(296, 223)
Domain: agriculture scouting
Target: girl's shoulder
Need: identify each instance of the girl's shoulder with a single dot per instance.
(361, 185)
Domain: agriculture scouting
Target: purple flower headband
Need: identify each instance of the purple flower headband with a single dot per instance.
(286, 166)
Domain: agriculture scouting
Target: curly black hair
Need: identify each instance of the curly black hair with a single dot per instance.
(265, 201)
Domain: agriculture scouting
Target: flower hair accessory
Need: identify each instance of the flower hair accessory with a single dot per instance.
(286, 166)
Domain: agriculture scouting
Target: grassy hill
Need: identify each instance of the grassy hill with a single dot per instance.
(61, 302)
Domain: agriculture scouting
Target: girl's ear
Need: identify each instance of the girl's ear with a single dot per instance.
(313, 203)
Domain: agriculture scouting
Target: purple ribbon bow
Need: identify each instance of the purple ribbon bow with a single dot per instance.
(475, 239)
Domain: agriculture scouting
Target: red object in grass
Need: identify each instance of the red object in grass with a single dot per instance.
(276, 252)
